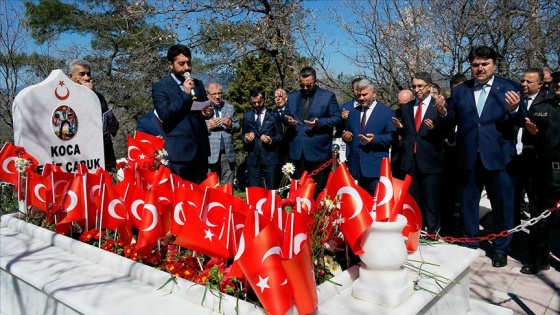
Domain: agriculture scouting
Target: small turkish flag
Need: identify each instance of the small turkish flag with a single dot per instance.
(37, 191)
(155, 142)
(384, 199)
(8, 156)
(149, 230)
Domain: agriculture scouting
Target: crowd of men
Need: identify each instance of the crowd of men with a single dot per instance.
(491, 133)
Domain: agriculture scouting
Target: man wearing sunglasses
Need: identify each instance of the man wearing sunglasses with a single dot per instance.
(311, 115)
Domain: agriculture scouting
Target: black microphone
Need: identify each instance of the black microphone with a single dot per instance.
(188, 75)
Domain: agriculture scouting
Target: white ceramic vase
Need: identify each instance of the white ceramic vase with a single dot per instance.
(383, 279)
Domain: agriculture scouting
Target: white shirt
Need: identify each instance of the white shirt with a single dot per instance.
(519, 145)
(368, 112)
(425, 104)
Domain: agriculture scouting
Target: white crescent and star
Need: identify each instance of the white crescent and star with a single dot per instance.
(178, 214)
(388, 190)
(357, 199)
(93, 190)
(58, 183)
(208, 234)
(36, 192)
(276, 250)
(111, 208)
(210, 207)
(5, 164)
(260, 204)
(263, 283)
(130, 148)
(298, 241)
(153, 210)
(240, 248)
(134, 208)
(307, 202)
(73, 201)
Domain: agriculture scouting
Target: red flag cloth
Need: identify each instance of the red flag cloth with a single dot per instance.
(8, 156)
(154, 141)
(411, 231)
(140, 152)
(355, 218)
(135, 201)
(305, 179)
(299, 272)
(257, 197)
(112, 208)
(37, 191)
(197, 236)
(149, 230)
(58, 182)
(399, 199)
(49, 168)
(295, 234)
(254, 223)
(211, 181)
(227, 188)
(304, 198)
(185, 198)
(262, 266)
(74, 201)
(384, 201)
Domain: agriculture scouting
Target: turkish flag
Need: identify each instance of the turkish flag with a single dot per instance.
(58, 182)
(8, 156)
(49, 168)
(227, 188)
(185, 198)
(412, 229)
(140, 151)
(112, 209)
(299, 272)
(150, 229)
(135, 200)
(355, 216)
(211, 181)
(304, 198)
(254, 223)
(153, 141)
(295, 234)
(197, 236)
(262, 265)
(384, 201)
(256, 197)
(74, 202)
(37, 191)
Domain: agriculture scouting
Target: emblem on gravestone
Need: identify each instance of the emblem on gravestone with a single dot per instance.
(64, 122)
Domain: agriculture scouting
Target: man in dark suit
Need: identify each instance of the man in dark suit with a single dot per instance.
(185, 132)
(261, 134)
(312, 114)
(369, 133)
(486, 110)
(151, 124)
(280, 100)
(523, 161)
(423, 131)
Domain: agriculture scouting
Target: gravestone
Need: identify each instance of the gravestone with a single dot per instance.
(59, 122)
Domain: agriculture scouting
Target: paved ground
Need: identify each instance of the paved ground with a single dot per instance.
(507, 287)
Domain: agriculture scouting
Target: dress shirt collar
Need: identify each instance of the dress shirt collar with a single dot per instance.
(176, 79)
(425, 101)
(489, 83)
(372, 106)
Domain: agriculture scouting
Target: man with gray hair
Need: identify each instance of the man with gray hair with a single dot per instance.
(79, 71)
(369, 133)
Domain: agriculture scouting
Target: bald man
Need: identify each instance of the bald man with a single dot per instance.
(403, 97)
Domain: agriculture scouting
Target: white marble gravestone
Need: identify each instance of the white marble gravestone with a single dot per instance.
(59, 122)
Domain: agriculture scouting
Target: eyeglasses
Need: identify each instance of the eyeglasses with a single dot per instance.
(419, 86)
(215, 94)
(307, 86)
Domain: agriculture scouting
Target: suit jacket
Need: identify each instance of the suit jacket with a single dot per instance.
(313, 144)
(257, 150)
(429, 150)
(493, 134)
(346, 106)
(365, 159)
(217, 133)
(184, 130)
(150, 124)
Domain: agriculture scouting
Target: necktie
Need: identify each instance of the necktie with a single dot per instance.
(418, 117)
(217, 111)
(305, 110)
(259, 119)
(481, 100)
(364, 118)
(529, 102)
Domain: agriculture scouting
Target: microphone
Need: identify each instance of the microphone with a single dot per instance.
(188, 75)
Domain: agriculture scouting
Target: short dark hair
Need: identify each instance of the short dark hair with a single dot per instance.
(425, 76)
(483, 52)
(456, 80)
(254, 92)
(308, 72)
(538, 71)
(177, 50)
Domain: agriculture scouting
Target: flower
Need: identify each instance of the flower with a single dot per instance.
(288, 205)
(22, 164)
(288, 169)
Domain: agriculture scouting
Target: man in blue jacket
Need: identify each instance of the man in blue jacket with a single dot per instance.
(311, 115)
(185, 132)
(486, 110)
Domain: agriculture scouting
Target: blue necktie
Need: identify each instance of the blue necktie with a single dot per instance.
(481, 100)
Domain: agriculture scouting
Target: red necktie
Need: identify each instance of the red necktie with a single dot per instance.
(418, 120)
(364, 118)
(418, 116)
